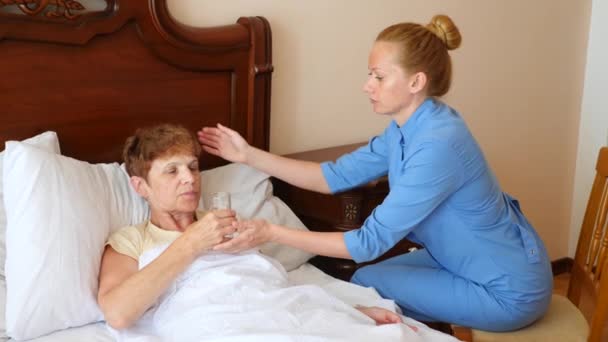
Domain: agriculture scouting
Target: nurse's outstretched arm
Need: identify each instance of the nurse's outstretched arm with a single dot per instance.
(253, 233)
(228, 144)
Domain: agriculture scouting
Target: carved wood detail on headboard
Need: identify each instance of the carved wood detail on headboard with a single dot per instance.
(123, 64)
(53, 9)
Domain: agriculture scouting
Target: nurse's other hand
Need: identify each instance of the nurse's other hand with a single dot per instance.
(224, 142)
(251, 233)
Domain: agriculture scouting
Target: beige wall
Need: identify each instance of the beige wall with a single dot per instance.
(593, 129)
(518, 82)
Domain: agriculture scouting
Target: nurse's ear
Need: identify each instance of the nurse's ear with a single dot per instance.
(417, 82)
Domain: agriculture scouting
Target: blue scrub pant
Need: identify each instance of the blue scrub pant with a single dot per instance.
(426, 291)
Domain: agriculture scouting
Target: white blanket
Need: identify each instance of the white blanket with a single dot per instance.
(247, 297)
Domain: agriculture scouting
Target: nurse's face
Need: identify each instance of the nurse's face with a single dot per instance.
(388, 85)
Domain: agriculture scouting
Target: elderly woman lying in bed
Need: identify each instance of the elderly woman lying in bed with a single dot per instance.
(160, 277)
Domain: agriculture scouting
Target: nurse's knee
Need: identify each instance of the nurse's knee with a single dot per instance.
(364, 276)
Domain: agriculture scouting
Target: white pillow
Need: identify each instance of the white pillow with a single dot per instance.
(251, 197)
(60, 212)
(48, 142)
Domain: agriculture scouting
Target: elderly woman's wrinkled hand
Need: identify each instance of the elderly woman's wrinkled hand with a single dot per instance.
(251, 233)
(211, 230)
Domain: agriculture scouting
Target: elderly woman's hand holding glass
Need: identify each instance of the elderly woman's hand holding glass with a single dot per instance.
(213, 228)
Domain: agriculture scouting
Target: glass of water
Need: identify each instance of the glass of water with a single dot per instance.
(220, 200)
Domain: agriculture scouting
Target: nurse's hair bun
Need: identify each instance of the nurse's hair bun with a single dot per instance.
(443, 27)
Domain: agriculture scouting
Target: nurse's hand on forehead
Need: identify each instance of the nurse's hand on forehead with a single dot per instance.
(224, 142)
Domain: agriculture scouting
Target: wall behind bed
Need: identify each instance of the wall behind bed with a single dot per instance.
(518, 82)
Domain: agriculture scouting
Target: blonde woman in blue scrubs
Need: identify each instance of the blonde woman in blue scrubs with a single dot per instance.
(483, 265)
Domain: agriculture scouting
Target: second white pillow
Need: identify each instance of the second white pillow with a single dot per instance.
(252, 196)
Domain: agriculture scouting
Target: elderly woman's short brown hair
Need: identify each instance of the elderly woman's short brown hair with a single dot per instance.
(150, 143)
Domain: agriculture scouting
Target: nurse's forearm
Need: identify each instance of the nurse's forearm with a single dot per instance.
(303, 174)
(329, 244)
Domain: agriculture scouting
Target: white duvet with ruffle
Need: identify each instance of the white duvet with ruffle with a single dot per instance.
(247, 297)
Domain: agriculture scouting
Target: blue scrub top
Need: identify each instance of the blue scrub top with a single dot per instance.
(443, 196)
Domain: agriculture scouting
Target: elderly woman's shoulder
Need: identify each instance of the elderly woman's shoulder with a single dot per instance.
(132, 232)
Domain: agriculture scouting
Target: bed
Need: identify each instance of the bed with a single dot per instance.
(78, 77)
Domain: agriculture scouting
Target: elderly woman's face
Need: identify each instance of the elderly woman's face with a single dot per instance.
(174, 183)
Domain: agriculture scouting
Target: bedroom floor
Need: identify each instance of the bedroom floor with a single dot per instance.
(560, 283)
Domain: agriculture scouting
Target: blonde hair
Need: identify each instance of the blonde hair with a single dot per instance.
(425, 49)
(150, 143)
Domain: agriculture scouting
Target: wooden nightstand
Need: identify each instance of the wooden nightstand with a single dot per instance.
(340, 212)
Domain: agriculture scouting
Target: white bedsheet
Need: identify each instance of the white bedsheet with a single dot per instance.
(308, 286)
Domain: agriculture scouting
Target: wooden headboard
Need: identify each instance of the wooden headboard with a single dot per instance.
(95, 70)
